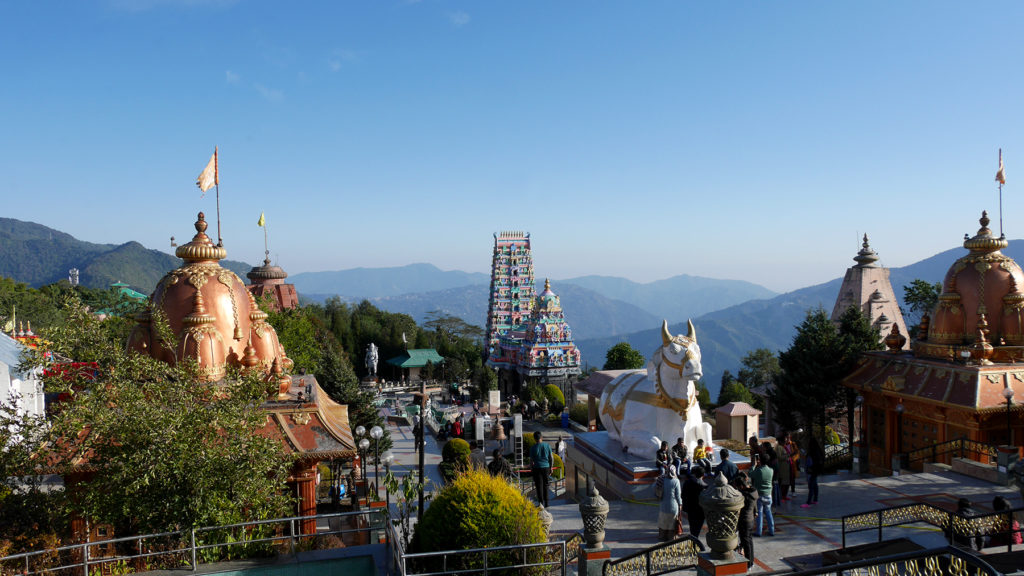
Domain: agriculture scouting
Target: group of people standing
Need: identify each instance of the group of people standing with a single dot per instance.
(770, 480)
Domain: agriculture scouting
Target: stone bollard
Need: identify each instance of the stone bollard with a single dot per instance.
(722, 504)
(545, 520)
(594, 554)
(594, 510)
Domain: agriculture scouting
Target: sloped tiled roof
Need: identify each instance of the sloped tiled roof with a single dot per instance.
(417, 358)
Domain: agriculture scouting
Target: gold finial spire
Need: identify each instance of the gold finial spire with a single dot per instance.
(201, 248)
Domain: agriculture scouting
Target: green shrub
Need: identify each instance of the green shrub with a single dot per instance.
(556, 400)
(455, 459)
(456, 450)
(558, 470)
(533, 392)
(580, 413)
(477, 510)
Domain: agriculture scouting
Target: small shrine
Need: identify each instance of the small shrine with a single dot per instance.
(268, 281)
(963, 370)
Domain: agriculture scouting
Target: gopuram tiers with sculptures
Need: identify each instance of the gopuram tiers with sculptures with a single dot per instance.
(528, 337)
(215, 321)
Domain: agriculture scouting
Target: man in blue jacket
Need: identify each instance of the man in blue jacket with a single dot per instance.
(540, 465)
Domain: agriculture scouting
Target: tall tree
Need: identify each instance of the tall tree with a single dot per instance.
(921, 297)
(165, 450)
(857, 336)
(808, 384)
(760, 368)
(732, 390)
(622, 356)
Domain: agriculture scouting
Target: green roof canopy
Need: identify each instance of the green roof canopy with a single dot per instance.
(417, 358)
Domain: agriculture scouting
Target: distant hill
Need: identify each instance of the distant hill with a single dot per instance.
(38, 255)
(676, 298)
(727, 335)
(359, 283)
(588, 313)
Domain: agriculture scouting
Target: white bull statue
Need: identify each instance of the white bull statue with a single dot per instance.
(640, 410)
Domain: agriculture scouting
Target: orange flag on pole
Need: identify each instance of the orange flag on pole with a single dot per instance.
(209, 177)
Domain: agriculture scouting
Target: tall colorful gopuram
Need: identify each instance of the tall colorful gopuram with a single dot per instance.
(511, 286)
(527, 336)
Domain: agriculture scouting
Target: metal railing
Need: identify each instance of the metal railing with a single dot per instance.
(958, 446)
(977, 530)
(188, 548)
(523, 480)
(547, 557)
(661, 558)
(837, 455)
(949, 561)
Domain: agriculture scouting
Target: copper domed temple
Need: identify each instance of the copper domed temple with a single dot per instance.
(958, 381)
(216, 321)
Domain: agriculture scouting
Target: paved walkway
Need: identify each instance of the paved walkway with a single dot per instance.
(799, 531)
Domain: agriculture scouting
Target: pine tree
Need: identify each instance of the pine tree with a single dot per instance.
(806, 390)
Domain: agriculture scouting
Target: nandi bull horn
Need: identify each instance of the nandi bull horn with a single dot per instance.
(666, 336)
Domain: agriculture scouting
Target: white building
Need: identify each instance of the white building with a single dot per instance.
(24, 391)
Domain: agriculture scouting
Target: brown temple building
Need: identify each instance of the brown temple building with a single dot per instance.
(268, 282)
(962, 371)
(217, 322)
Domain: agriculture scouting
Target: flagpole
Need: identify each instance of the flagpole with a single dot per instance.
(216, 181)
(1001, 235)
(266, 248)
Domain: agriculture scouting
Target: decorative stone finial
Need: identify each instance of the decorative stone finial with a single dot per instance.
(867, 257)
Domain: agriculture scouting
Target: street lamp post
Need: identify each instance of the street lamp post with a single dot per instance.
(1008, 394)
(388, 458)
(860, 408)
(364, 447)
(899, 428)
(376, 432)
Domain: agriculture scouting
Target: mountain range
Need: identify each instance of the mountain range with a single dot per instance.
(726, 335)
(732, 317)
(37, 255)
(594, 305)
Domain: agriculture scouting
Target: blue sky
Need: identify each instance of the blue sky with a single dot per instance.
(748, 140)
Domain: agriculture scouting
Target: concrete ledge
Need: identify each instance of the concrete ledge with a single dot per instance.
(936, 467)
(975, 469)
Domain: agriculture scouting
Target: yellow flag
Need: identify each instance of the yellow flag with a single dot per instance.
(209, 177)
(263, 221)
(1001, 174)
